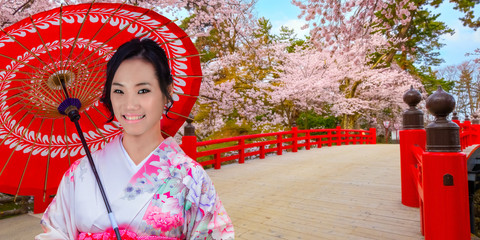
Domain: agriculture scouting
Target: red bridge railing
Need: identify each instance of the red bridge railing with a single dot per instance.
(241, 147)
(433, 168)
(469, 133)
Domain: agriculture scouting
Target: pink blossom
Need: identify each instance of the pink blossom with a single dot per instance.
(161, 220)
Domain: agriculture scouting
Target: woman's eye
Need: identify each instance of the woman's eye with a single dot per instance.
(143, 91)
(117, 91)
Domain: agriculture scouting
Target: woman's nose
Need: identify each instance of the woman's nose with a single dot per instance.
(132, 102)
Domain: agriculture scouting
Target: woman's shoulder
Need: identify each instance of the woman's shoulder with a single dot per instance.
(80, 164)
(178, 159)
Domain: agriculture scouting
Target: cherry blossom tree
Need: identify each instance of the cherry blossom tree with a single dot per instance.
(204, 13)
(344, 84)
(233, 91)
(256, 82)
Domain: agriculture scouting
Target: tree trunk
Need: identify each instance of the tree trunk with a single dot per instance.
(349, 121)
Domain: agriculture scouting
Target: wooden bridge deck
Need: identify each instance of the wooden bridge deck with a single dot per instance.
(345, 192)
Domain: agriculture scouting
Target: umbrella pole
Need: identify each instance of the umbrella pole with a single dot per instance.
(94, 169)
(70, 108)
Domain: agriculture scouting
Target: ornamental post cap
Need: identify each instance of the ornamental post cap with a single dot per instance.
(440, 103)
(412, 97)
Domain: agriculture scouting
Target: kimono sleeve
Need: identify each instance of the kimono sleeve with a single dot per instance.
(58, 220)
(206, 218)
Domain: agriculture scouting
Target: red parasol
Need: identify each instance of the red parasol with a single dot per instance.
(73, 44)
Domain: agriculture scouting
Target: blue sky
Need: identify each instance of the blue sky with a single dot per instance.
(465, 40)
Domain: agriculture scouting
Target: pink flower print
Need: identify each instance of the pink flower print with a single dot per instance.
(71, 169)
(221, 222)
(161, 220)
(170, 204)
(108, 235)
(177, 160)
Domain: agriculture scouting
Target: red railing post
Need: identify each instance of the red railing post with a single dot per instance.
(338, 133)
(445, 203)
(189, 146)
(319, 141)
(408, 139)
(294, 139)
(475, 133)
(218, 163)
(330, 138)
(444, 176)
(347, 137)
(467, 129)
(307, 140)
(262, 152)
(279, 144)
(189, 140)
(241, 151)
(373, 136)
(413, 134)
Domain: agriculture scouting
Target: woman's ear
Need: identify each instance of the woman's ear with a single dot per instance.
(170, 89)
(170, 92)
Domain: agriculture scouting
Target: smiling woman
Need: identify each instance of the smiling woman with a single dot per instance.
(157, 192)
(140, 89)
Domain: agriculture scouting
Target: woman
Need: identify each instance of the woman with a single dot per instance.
(153, 187)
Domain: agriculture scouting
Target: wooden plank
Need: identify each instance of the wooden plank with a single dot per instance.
(344, 192)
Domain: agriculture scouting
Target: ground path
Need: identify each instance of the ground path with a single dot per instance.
(344, 192)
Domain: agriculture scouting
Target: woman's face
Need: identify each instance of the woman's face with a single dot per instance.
(137, 100)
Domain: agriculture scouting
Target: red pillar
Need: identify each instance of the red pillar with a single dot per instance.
(262, 152)
(189, 146)
(467, 128)
(408, 139)
(279, 144)
(294, 139)
(218, 163)
(445, 205)
(373, 136)
(330, 138)
(338, 133)
(475, 133)
(307, 141)
(457, 122)
(241, 151)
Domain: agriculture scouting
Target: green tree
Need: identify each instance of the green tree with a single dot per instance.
(420, 51)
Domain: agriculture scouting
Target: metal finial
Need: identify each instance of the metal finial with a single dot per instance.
(442, 135)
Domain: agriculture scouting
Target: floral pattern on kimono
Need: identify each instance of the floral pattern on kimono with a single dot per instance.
(170, 196)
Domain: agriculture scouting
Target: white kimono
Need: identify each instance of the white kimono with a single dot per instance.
(168, 195)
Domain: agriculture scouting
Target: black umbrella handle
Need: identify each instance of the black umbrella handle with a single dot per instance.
(74, 117)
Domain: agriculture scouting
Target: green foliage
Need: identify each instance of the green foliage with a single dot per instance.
(288, 35)
(466, 7)
(422, 36)
(311, 120)
(430, 81)
(420, 52)
(232, 129)
(263, 31)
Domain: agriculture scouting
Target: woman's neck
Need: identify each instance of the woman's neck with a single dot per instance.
(138, 148)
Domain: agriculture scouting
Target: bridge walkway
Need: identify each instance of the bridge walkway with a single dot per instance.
(343, 192)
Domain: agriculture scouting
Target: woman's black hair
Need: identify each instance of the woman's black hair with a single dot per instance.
(145, 49)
